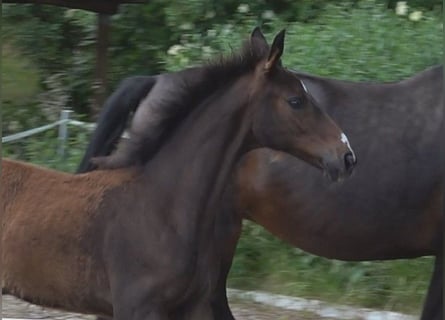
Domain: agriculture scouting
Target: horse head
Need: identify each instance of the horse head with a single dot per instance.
(288, 119)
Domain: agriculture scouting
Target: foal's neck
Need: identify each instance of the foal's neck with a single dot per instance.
(193, 166)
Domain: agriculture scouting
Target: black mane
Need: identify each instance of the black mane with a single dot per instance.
(215, 74)
(226, 68)
(190, 90)
(159, 104)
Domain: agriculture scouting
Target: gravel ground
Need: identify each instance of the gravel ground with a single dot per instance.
(242, 310)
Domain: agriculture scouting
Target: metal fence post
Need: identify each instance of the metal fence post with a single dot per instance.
(63, 132)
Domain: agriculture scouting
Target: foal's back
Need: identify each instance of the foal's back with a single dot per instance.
(47, 218)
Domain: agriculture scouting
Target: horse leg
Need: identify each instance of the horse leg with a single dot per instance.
(433, 306)
(229, 237)
(149, 313)
(193, 310)
(220, 305)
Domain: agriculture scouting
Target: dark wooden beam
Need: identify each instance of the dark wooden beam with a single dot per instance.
(100, 6)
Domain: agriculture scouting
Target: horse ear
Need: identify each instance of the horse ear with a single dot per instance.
(258, 41)
(258, 34)
(276, 51)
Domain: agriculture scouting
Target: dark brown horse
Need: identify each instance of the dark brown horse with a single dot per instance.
(152, 243)
(391, 208)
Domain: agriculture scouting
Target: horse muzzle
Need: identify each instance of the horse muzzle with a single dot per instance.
(340, 167)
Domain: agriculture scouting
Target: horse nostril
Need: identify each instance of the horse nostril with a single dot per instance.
(350, 160)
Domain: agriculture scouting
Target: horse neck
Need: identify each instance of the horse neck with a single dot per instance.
(193, 166)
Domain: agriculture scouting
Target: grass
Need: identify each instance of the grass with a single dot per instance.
(263, 262)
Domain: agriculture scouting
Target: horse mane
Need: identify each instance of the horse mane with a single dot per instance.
(170, 109)
(224, 68)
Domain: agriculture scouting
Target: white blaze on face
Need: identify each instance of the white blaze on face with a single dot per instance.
(345, 140)
(343, 137)
(304, 87)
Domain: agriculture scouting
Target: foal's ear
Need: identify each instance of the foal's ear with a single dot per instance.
(258, 41)
(275, 51)
(258, 34)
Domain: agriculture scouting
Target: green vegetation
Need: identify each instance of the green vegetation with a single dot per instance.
(265, 263)
(349, 39)
(20, 79)
(354, 40)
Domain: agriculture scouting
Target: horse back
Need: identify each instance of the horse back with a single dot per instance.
(47, 217)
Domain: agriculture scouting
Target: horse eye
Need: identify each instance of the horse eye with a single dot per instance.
(295, 102)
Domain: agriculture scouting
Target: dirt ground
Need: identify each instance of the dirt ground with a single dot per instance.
(242, 310)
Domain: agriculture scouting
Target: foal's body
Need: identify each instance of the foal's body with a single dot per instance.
(393, 205)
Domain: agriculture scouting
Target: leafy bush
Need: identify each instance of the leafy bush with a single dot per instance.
(374, 44)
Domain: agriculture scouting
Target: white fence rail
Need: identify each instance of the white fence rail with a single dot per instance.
(62, 123)
(31, 132)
